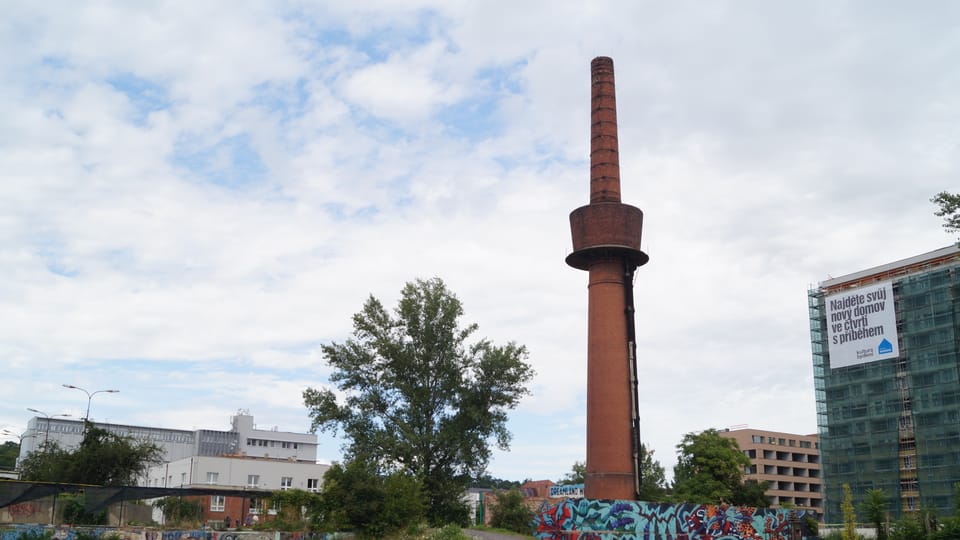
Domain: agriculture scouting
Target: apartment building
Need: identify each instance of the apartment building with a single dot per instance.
(788, 461)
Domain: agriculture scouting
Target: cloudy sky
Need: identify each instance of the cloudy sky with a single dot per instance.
(195, 196)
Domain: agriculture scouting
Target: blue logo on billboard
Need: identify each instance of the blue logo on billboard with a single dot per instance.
(885, 347)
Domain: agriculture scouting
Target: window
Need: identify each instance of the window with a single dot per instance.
(781, 442)
(212, 477)
(183, 478)
(313, 484)
(253, 480)
(286, 482)
(217, 503)
(757, 439)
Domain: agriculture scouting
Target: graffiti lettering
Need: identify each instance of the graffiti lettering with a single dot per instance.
(24, 509)
(589, 518)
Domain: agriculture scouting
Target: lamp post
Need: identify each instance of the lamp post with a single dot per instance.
(90, 395)
(46, 437)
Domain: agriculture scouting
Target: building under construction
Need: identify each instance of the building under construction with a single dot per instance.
(886, 356)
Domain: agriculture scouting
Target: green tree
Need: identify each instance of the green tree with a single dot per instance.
(512, 513)
(949, 210)
(102, 458)
(419, 397)
(874, 506)
(709, 468)
(576, 475)
(849, 531)
(653, 480)
(9, 451)
(355, 497)
(751, 493)
(489, 482)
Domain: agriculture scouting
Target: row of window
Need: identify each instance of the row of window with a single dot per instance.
(795, 457)
(218, 503)
(781, 441)
(55, 427)
(771, 470)
(272, 444)
(253, 480)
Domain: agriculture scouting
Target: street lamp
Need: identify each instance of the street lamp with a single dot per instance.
(46, 437)
(90, 395)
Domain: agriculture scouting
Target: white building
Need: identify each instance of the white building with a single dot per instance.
(243, 439)
(238, 472)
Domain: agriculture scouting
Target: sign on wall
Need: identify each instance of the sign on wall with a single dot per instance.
(862, 325)
(566, 490)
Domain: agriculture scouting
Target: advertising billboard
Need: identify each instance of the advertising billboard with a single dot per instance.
(862, 325)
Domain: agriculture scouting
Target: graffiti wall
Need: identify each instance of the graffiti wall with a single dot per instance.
(596, 519)
(64, 532)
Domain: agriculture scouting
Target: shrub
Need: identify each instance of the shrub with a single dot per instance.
(908, 528)
(75, 511)
(356, 497)
(450, 532)
(511, 513)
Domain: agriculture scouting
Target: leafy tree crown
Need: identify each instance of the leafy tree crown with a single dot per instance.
(418, 394)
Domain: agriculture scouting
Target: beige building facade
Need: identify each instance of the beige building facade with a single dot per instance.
(789, 462)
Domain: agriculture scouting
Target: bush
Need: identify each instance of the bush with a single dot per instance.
(450, 532)
(355, 497)
(75, 511)
(949, 531)
(908, 528)
(511, 513)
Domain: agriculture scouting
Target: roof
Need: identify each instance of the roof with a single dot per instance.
(98, 497)
(898, 268)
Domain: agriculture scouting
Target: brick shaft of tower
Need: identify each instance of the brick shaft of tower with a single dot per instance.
(606, 242)
(604, 151)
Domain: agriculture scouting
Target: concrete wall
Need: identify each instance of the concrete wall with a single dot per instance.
(39, 511)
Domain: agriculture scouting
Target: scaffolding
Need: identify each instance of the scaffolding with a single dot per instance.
(894, 424)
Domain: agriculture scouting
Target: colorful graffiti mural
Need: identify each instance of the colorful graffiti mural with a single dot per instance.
(66, 532)
(597, 519)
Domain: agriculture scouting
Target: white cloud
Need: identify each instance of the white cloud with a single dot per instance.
(768, 146)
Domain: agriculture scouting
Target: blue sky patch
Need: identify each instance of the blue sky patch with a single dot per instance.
(231, 163)
(145, 96)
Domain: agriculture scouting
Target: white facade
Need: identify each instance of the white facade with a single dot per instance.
(272, 443)
(176, 443)
(243, 439)
(237, 472)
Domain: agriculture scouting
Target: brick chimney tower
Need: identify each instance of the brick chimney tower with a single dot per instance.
(606, 242)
